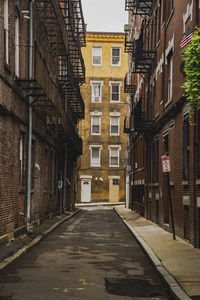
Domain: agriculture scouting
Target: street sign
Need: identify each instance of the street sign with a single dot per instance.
(165, 163)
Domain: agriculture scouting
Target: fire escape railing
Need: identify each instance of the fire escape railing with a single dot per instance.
(129, 5)
(60, 65)
(139, 7)
(129, 87)
(74, 23)
(128, 45)
(141, 124)
(64, 23)
(142, 58)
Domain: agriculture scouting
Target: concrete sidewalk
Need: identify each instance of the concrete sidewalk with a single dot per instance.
(177, 261)
(18, 246)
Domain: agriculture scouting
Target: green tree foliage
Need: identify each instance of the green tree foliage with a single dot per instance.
(191, 56)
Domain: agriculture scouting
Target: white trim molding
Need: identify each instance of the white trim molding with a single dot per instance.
(188, 14)
(169, 48)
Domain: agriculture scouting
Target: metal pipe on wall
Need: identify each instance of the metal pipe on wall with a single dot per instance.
(29, 158)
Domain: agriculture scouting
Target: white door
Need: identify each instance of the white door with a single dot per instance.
(85, 190)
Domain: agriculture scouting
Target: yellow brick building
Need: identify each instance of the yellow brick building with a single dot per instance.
(101, 172)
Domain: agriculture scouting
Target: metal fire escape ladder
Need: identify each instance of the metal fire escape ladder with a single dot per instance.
(142, 58)
(64, 39)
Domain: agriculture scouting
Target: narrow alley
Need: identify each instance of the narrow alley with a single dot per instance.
(91, 256)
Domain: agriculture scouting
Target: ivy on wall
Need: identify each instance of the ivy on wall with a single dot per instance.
(191, 56)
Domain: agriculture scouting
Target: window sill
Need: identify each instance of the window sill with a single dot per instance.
(114, 134)
(168, 102)
(113, 166)
(95, 166)
(185, 182)
(116, 66)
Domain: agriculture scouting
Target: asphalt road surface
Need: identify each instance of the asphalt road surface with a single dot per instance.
(92, 256)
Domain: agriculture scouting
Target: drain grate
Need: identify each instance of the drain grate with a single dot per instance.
(132, 287)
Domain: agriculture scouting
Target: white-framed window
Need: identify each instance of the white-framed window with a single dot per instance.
(6, 46)
(114, 125)
(96, 94)
(17, 46)
(170, 74)
(97, 56)
(114, 155)
(115, 56)
(96, 125)
(115, 91)
(95, 155)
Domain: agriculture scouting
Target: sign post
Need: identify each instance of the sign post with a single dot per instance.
(166, 169)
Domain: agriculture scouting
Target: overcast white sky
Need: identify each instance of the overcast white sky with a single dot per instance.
(105, 15)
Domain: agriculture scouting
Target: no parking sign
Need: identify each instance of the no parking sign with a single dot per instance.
(165, 163)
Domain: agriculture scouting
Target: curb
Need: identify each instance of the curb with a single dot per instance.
(35, 241)
(176, 289)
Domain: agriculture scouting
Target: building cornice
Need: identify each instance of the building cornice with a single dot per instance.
(105, 36)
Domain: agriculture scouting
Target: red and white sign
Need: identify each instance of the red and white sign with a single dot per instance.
(165, 163)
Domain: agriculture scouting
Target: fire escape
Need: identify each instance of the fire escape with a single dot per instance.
(139, 7)
(142, 59)
(55, 87)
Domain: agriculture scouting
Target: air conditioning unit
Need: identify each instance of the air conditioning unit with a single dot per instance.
(128, 168)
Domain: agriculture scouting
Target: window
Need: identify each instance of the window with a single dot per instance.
(167, 9)
(170, 73)
(6, 31)
(114, 156)
(114, 125)
(186, 144)
(115, 58)
(95, 156)
(115, 92)
(95, 125)
(115, 181)
(97, 56)
(96, 91)
(22, 159)
(17, 46)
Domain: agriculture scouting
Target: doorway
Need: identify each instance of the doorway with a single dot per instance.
(114, 189)
(85, 190)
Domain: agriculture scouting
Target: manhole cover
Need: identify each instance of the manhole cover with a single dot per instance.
(132, 287)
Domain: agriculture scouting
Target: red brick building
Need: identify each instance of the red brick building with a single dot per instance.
(159, 119)
(41, 70)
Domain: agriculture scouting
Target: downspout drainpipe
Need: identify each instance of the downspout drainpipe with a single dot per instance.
(65, 178)
(30, 71)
